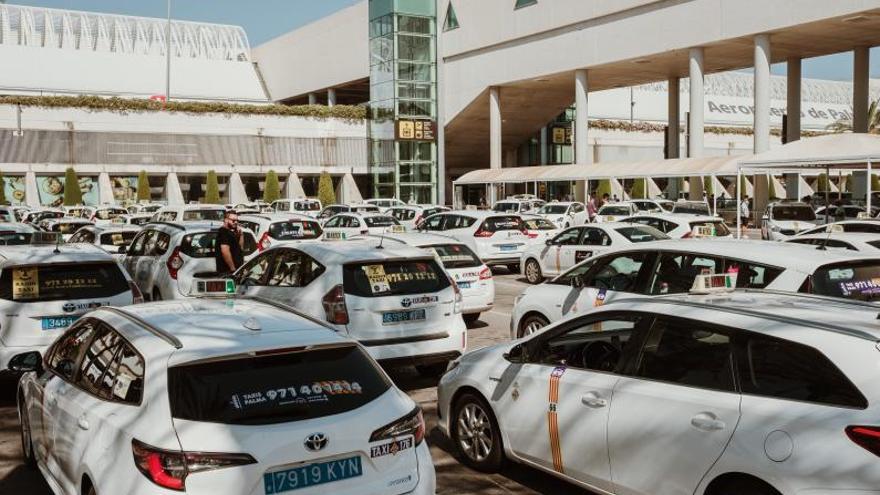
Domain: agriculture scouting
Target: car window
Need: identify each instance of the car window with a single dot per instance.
(294, 230)
(388, 278)
(618, 273)
(595, 237)
(381, 221)
(207, 214)
(116, 238)
(793, 212)
(435, 222)
(68, 350)
(601, 344)
(498, 224)
(458, 222)
(687, 352)
(644, 233)
(751, 275)
(137, 246)
(333, 222)
(62, 281)
(403, 214)
(97, 359)
(858, 280)
(82, 236)
(675, 272)
(772, 367)
(291, 268)
(454, 256)
(252, 226)
(570, 237)
(252, 272)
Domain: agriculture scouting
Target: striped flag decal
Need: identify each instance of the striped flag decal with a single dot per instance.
(552, 423)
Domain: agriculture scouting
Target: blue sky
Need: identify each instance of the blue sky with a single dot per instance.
(266, 19)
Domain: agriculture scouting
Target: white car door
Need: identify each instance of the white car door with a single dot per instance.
(607, 278)
(288, 280)
(551, 255)
(680, 399)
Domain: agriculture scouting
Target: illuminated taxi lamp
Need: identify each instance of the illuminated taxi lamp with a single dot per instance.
(214, 287)
(863, 215)
(398, 229)
(834, 229)
(714, 283)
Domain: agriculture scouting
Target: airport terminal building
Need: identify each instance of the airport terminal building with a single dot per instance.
(446, 86)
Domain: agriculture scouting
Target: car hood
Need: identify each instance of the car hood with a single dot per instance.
(794, 224)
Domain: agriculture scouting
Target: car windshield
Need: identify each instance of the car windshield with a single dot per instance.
(382, 221)
(109, 213)
(858, 280)
(67, 227)
(794, 212)
(456, 256)
(691, 208)
(392, 278)
(295, 230)
(496, 224)
(618, 210)
(306, 206)
(641, 234)
(10, 238)
(553, 210)
(506, 207)
(270, 388)
(118, 238)
(206, 214)
(539, 224)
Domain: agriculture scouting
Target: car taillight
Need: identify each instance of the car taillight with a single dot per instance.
(365, 231)
(174, 263)
(456, 308)
(265, 242)
(687, 235)
(334, 306)
(411, 424)
(169, 469)
(532, 235)
(482, 233)
(137, 297)
(867, 437)
(486, 274)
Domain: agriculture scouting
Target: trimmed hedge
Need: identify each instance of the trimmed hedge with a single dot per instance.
(123, 105)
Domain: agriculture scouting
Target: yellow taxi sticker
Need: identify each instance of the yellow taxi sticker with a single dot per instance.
(25, 283)
(377, 277)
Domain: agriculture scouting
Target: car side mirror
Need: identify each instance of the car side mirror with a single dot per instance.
(577, 282)
(549, 242)
(516, 354)
(123, 250)
(26, 362)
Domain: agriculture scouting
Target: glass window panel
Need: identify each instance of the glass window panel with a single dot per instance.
(417, 48)
(415, 108)
(420, 25)
(408, 71)
(415, 173)
(416, 194)
(415, 90)
(415, 151)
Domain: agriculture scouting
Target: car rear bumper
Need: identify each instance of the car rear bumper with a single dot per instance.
(425, 359)
(505, 259)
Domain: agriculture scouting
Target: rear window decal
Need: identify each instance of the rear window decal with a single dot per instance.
(871, 286)
(377, 277)
(25, 283)
(296, 394)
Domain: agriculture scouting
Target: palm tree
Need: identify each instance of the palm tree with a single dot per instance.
(846, 125)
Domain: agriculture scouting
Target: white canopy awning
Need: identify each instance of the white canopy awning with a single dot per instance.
(680, 167)
(846, 150)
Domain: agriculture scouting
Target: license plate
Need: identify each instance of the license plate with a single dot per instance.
(312, 474)
(464, 285)
(402, 316)
(507, 247)
(58, 322)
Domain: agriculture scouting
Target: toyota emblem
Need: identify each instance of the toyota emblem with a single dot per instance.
(69, 307)
(406, 302)
(316, 442)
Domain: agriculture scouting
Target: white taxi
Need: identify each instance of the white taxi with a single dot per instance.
(539, 229)
(743, 393)
(411, 216)
(852, 241)
(782, 220)
(847, 226)
(576, 244)
(395, 300)
(683, 226)
(613, 212)
(564, 214)
(670, 267)
(470, 274)
(497, 238)
(213, 397)
(347, 225)
(45, 288)
(274, 228)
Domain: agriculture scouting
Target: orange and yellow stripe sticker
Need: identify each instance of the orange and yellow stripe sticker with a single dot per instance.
(553, 424)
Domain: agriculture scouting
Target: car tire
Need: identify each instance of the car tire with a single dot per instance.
(27, 441)
(533, 271)
(745, 486)
(475, 434)
(514, 268)
(434, 370)
(470, 319)
(531, 324)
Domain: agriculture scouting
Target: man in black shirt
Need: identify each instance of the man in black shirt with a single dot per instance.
(230, 240)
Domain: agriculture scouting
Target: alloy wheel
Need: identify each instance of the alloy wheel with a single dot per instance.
(475, 432)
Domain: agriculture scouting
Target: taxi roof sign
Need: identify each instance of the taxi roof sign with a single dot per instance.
(703, 231)
(214, 287)
(835, 229)
(714, 283)
(863, 215)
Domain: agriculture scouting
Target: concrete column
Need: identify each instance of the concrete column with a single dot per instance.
(581, 124)
(294, 187)
(313, 99)
(793, 100)
(494, 127)
(696, 123)
(235, 191)
(761, 114)
(792, 183)
(543, 144)
(331, 97)
(861, 61)
(105, 189)
(859, 184)
(674, 117)
(31, 193)
(173, 194)
(350, 192)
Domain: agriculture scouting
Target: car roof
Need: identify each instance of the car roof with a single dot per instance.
(680, 217)
(35, 254)
(852, 318)
(416, 239)
(843, 236)
(203, 327)
(365, 214)
(341, 252)
(478, 213)
(274, 217)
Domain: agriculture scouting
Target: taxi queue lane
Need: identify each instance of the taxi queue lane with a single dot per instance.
(452, 477)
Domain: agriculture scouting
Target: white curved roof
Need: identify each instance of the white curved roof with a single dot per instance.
(844, 150)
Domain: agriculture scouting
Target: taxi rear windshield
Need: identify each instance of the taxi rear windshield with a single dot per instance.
(118, 238)
(506, 207)
(210, 215)
(497, 224)
(858, 280)
(539, 224)
(614, 210)
(804, 213)
(294, 230)
(277, 388)
(641, 234)
(306, 206)
(109, 214)
(53, 282)
(691, 209)
(381, 221)
(9, 238)
(456, 256)
(392, 278)
(67, 228)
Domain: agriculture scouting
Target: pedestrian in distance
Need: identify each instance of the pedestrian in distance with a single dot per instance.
(744, 214)
(230, 241)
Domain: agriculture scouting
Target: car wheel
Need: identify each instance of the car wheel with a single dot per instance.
(27, 442)
(745, 486)
(470, 319)
(476, 435)
(514, 268)
(533, 272)
(157, 296)
(432, 370)
(532, 324)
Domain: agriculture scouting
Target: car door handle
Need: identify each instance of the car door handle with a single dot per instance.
(592, 399)
(707, 422)
(83, 423)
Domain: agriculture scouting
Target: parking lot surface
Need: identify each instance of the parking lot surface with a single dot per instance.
(452, 476)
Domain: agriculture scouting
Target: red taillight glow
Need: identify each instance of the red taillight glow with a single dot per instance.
(174, 263)
(411, 424)
(532, 235)
(169, 469)
(867, 437)
(137, 297)
(334, 306)
(687, 235)
(485, 274)
(483, 233)
(265, 242)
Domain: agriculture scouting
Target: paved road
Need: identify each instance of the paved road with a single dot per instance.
(453, 478)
